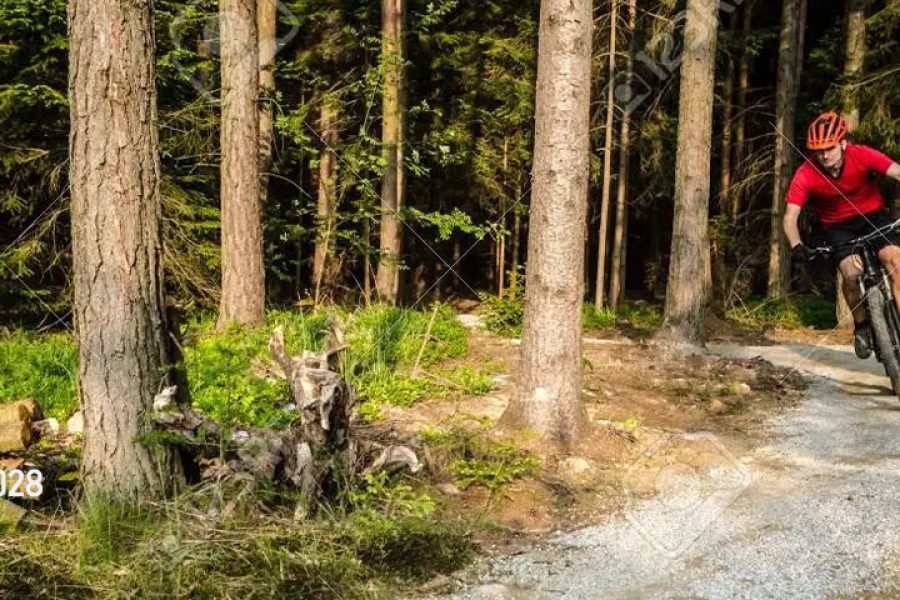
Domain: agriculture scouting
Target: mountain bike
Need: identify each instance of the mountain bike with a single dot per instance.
(878, 300)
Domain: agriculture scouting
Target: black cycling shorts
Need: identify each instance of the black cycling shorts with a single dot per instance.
(854, 227)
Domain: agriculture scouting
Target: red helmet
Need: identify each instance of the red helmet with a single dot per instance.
(825, 131)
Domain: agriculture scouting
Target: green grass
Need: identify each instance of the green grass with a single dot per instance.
(231, 375)
(40, 367)
(815, 312)
(385, 536)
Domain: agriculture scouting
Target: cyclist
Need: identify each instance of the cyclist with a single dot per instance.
(840, 187)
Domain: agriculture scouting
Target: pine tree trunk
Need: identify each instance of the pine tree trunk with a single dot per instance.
(501, 258)
(617, 268)
(740, 130)
(123, 338)
(686, 291)
(514, 251)
(600, 283)
(327, 197)
(789, 73)
(854, 58)
(266, 22)
(548, 399)
(727, 126)
(388, 278)
(243, 275)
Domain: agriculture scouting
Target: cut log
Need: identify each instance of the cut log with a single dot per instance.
(15, 424)
(10, 515)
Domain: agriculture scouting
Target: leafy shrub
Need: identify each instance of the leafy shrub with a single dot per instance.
(591, 318)
(504, 315)
(788, 312)
(472, 458)
(471, 381)
(393, 388)
(40, 367)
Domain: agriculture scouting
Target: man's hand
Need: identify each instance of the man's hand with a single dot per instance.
(801, 253)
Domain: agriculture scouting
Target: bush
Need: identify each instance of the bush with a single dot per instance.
(43, 367)
(786, 313)
(591, 318)
(504, 315)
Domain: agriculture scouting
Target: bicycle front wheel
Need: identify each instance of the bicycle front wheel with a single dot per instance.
(887, 338)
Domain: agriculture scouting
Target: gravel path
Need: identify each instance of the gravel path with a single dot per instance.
(815, 513)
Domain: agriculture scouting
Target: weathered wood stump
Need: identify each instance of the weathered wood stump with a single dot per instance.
(15, 424)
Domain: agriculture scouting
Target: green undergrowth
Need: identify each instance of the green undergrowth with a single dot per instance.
(233, 379)
(39, 367)
(504, 316)
(815, 312)
(472, 458)
(238, 542)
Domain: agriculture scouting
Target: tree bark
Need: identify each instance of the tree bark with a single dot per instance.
(327, 198)
(548, 399)
(727, 126)
(123, 336)
(243, 275)
(266, 23)
(686, 291)
(387, 280)
(600, 283)
(740, 130)
(854, 58)
(789, 72)
(617, 269)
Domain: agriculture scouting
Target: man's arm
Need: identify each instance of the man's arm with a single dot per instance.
(894, 171)
(790, 223)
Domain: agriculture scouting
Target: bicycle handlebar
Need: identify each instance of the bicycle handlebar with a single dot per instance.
(828, 250)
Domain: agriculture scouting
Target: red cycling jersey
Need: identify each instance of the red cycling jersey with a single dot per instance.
(853, 192)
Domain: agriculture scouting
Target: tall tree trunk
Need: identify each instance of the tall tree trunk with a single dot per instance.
(854, 58)
(327, 197)
(617, 269)
(600, 283)
(727, 126)
(548, 399)
(790, 54)
(501, 256)
(514, 251)
(388, 279)
(686, 291)
(123, 338)
(266, 24)
(735, 200)
(243, 275)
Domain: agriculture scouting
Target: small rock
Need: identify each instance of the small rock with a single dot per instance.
(577, 471)
(10, 515)
(448, 489)
(75, 424)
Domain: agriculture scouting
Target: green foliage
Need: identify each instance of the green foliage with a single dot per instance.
(396, 389)
(473, 458)
(811, 311)
(504, 315)
(40, 367)
(591, 318)
(641, 315)
(471, 381)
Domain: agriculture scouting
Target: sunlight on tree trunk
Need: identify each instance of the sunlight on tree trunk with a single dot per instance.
(548, 399)
(243, 275)
(326, 203)
(266, 22)
(686, 290)
(600, 282)
(123, 338)
(388, 279)
(617, 267)
(740, 130)
(790, 63)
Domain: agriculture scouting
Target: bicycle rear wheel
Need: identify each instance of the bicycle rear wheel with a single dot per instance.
(887, 338)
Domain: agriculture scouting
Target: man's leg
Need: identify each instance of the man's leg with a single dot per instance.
(851, 268)
(890, 258)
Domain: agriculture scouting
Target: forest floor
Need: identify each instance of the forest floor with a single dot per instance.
(807, 513)
(646, 411)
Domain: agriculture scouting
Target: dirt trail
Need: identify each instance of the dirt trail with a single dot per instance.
(813, 513)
